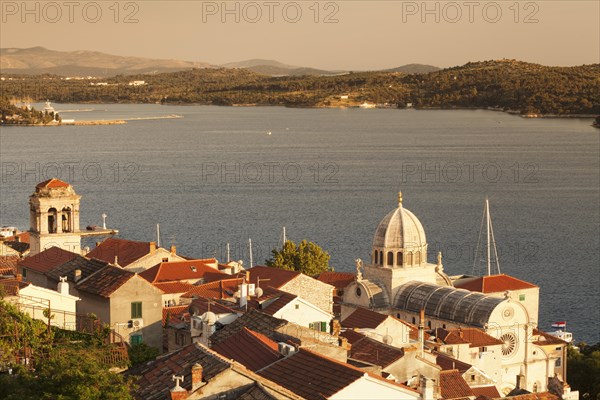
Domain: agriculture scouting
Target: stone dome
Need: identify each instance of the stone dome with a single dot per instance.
(399, 239)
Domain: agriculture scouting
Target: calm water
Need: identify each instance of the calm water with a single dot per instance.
(217, 176)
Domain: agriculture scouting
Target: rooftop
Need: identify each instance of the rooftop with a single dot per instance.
(201, 305)
(223, 289)
(474, 336)
(254, 320)
(47, 260)
(106, 281)
(173, 312)
(494, 284)
(252, 349)
(274, 277)
(52, 184)
(448, 363)
(8, 265)
(83, 264)
(487, 391)
(453, 385)
(126, 251)
(183, 270)
(545, 339)
(372, 351)
(271, 301)
(364, 318)
(174, 287)
(337, 279)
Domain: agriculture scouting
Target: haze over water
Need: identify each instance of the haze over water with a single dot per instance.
(330, 175)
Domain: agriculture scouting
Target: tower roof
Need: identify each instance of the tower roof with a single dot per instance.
(52, 183)
(400, 229)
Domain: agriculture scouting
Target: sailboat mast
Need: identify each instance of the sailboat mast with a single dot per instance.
(228, 253)
(284, 238)
(487, 218)
(250, 245)
(157, 235)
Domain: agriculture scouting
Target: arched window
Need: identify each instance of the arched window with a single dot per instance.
(417, 258)
(375, 259)
(390, 259)
(66, 219)
(410, 259)
(52, 220)
(399, 259)
(381, 258)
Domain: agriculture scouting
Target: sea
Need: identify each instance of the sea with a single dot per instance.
(219, 178)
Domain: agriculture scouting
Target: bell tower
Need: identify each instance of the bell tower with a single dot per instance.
(54, 217)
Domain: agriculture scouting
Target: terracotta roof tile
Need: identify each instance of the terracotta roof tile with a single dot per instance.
(352, 335)
(11, 286)
(254, 320)
(273, 277)
(448, 363)
(48, 259)
(535, 396)
(494, 284)
(223, 289)
(174, 311)
(52, 183)
(372, 351)
(201, 305)
(173, 287)
(126, 251)
(271, 301)
(546, 339)
(155, 376)
(83, 264)
(19, 247)
(22, 237)
(256, 392)
(337, 279)
(487, 391)
(474, 336)
(183, 270)
(453, 385)
(252, 349)
(310, 375)
(364, 318)
(106, 281)
(9, 263)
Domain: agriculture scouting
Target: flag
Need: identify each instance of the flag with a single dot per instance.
(561, 324)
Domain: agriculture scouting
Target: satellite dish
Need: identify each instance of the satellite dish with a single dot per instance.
(387, 339)
(258, 292)
(210, 318)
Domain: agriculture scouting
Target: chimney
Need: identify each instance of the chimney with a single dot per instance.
(196, 376)
(77, 275)
(16, 235)
(173, 249)
(178, 393)
(63, 286)
(520, 379)
(152, 247)
(247, 276)
(421, 332)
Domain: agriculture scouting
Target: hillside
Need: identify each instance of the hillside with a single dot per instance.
(39, 60)
(413, 69)
(502, 84)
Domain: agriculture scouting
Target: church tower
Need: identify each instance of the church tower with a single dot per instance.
(399, 253)
(54, 217)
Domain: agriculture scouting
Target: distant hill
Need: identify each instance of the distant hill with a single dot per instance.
(276, 68)
(413, 69)
(39, 60)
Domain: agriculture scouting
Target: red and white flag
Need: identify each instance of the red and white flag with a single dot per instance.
(561, 324)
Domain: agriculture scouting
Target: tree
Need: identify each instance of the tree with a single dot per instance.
(306, 257)
(583, 370)
(141, 353)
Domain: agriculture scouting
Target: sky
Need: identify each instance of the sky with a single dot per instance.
(343, 34)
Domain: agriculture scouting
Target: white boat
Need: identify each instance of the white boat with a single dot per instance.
(367, 105)
(566, 336)
(48, 108)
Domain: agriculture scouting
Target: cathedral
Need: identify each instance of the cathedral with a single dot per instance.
(399, 281)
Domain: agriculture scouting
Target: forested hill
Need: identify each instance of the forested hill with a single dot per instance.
(506, 84)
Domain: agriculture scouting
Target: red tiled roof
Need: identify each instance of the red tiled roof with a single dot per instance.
(486, 391)
(126, 251)
(183, 270)
(201, 305)
(474, 336)
(337, 279)
(273, 277)
(374, 352)
(52, 183)
(252, 349)
(223, 289)
(11, 286)
(352, 335)
(47, 260)
(271, 301)
(174, 287)
(156, 376)
(448, 363)
(22, 237)
(9, 264)
(174, 311)
(364, 318)
(453, 385)
(546, 339)
(535, 396)
(106, 281)
(494, 284)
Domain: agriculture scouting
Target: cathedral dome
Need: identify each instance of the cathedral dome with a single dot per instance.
(399, 240)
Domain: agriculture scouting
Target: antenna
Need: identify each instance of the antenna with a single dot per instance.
(250, 247)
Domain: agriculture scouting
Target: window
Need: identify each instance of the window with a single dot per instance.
(482, 349)
(521, 297)
(390, 258)
(320, 326)
(414, 320)
(376, 259)
(136, 339)
(136, 309)
(24, 272)
(472, 377)
(557, 363)
(297, 306)
(429, 324)
(399, 258)
(165, 259)
(358, 292)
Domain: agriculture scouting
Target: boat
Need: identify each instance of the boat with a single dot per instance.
(48, 108)
(367, 105)
(563, 335)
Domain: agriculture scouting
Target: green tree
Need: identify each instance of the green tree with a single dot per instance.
(306, 257)
(141, 353)
(583, 370)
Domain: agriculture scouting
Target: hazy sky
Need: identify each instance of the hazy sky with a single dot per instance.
(346, 34)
